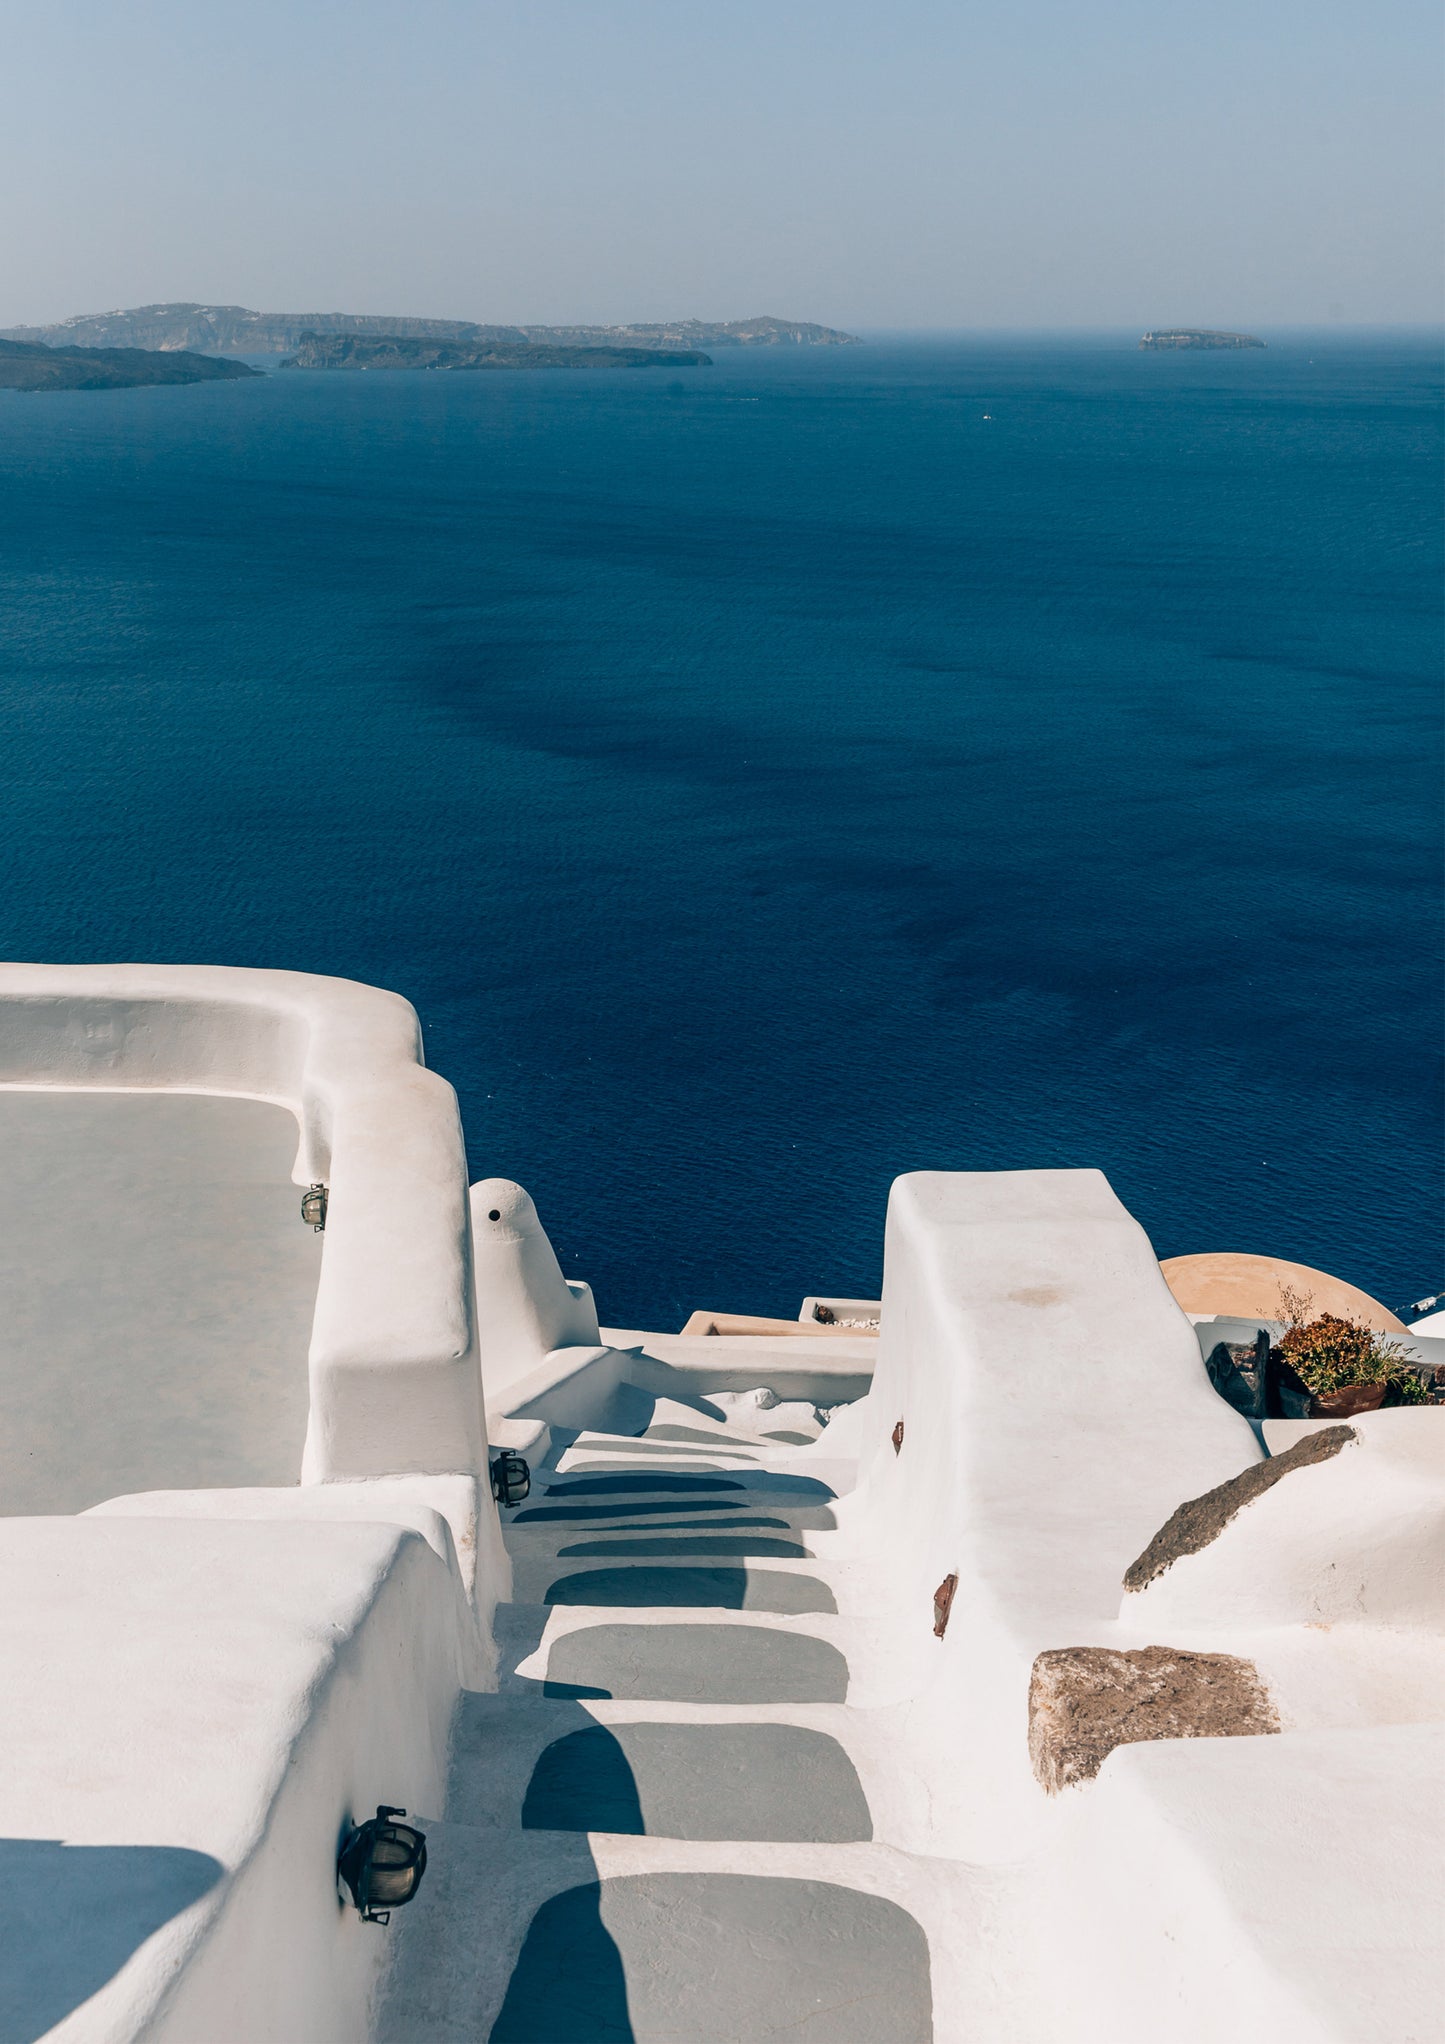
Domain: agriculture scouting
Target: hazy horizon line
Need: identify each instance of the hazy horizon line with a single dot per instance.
(1317, 326)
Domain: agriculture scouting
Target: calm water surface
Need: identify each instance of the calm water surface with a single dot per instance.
(774, 778)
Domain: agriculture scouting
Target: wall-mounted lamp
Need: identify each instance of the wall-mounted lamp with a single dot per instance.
(381, 1864)
(511, 1478)
(313, 1207)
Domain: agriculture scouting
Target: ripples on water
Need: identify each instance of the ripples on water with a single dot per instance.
(774, 779)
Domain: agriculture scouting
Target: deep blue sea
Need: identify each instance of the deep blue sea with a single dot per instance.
(771, 778)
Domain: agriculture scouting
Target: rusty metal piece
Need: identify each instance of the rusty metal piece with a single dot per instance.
(943, 1604)
(898, 1438)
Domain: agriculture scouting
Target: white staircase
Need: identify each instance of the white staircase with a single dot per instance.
(659, 1828)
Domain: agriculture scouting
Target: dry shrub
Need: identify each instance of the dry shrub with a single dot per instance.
(1328, 1353)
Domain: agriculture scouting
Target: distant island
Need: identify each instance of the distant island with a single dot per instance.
(1197, 337)
(405, 351)
(236, 330)
(27, 367)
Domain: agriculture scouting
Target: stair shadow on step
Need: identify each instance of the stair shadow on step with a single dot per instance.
(76, 1916)
(626, 1508)
(719, 1463)
(696, 1664)
(655, 1958)
(727, 1442)
(725, 1515)
(664, 1451)
(687, 1544)
(800, 1489)
(727, 1589)
(774, 1783)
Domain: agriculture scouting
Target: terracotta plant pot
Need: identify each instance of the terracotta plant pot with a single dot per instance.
(1347, 1401)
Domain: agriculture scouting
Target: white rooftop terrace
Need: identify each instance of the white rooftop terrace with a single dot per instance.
(157, 1288)
(285, 1561)
(157, 1115)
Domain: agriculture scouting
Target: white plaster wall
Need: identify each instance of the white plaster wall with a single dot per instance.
(395, 1380)
(578, 1388)
(1056, 1410)
(1278, 1890)
(823, 1369)
(1357, 1539)
(526, 1308)
(306, 1965)
(449, 1512)
(237, 1691)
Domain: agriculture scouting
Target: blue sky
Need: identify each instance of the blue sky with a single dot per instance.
(914, 164)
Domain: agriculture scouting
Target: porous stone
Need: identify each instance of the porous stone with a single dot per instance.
(1202, 1519)
(1085, 1701)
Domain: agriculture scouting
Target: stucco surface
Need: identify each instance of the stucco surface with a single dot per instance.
(731, 1589)
(691, 1664)
(1192, 1526)
(1283, 1890)
(719, 1776)
(717, 1957)
(706, 1732)
(395, 1384)
(725, 1728)
(156, 1295)
(447, 1511)
(765, 1781)
(192, 1712)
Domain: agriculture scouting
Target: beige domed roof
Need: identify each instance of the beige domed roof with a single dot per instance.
(1227, 1281)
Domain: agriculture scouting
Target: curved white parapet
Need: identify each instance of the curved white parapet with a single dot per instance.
(525, 1307)
(395, 1385)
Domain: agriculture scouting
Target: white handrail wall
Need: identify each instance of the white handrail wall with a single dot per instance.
(1055, 1411)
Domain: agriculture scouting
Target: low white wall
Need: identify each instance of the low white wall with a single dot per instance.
(202, 1707)
(1358, 1539)
(450, 1512)
(1056, 1410)
(826, 1369)
(282, 1948)
(576, 1388)
(395, 1382)
(1260, 1891)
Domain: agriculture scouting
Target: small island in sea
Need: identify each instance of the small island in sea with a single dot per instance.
(403, 351)
(23, 367)
(1197, 337)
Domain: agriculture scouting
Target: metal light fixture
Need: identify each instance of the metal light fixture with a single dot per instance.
(313, 1207)
(511, 1478)
(381, 1864)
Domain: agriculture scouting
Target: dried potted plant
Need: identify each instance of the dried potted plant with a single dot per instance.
(1339, 1366)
